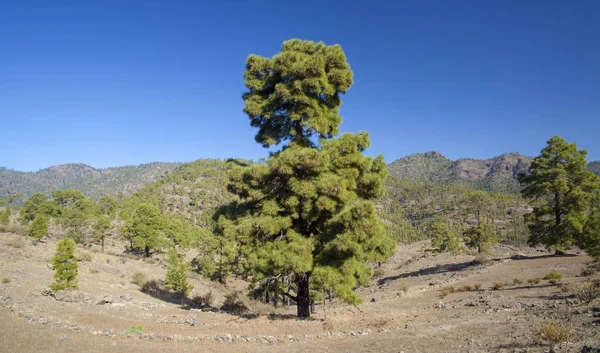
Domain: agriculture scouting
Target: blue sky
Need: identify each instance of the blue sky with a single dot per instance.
(112, 83)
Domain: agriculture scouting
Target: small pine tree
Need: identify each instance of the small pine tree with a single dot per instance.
(102, 228)
(443, 238)
(39, 227)
(5, 216)
(65, 266)
(480, 237)
(176, 278)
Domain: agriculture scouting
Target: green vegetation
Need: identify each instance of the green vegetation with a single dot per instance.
(39, 227)
(443, 238)
(176, 278)
(65, 266)
(560, 188)
(553, 275)
(137, 329)
(102, 229)
(480, 237)
(5, 216)
(94, 183)
(144, 230)
(304, 214)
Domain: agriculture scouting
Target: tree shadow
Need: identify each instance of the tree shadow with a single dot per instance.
(456, 267)
(525, 257)
(157, 291)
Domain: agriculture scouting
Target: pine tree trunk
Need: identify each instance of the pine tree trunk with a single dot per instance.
(147, 251)
(103, 244)
(303, 297)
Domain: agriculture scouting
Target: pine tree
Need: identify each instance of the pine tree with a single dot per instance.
(144, 229)
(176, 278)
(65, 266)
(305, 214)
(102, 229)
(5, 216)
(560, 188)
(443, 238)
(39, 227)
(480, 237)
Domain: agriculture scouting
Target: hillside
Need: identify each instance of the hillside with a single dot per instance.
(594, 167)
(93, 182)
(496, 174)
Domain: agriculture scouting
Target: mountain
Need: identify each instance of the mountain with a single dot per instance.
(93, 182)
(594, 167)
(497, 174)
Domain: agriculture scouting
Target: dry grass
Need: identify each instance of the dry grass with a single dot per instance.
(205, 299)
(534, 280)
(477, 286)
(151, 287)
(517, 281)
(15, 242)
(557, 333)
(94, 271)
(588, 271)
(84, 256)
(5, 280)
(403, 285)
(553, 275)
(328, 326)
(587, 292)
(480, 259)
(17, 229)
(139, 278)
(498, 285)
(378, 272)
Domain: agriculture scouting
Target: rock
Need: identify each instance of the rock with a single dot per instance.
(196, 322)
(590, 349)
(126, 297)
(372, 300)
(106, 300)
(118, 306)
(439, 305)
(71, 296)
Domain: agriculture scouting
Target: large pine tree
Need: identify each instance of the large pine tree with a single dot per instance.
(304, 217)
(560, 187)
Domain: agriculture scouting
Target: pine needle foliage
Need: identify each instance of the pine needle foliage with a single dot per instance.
(65, 266)
(560, 187)
(176, 278)
(39, 227)
(305, 215)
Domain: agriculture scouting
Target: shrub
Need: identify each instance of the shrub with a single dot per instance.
(328, 326)
(233, 304)
(135, 328)
(477, 286)
(378, 272)
(533, 280)
(553, 275)
(480, 259)
(588, 271)
(15, 242)
(557, 333)
(205, 299)
(498, 285)
(5, 280)
(39, 227)
(553, 281)
(65, 266)
(447, 290)
(403, 286)
(17, 229)
(466, 288)
(517, 281)
(587, 291)
(84, 256)
(139, 278)
(151, 287)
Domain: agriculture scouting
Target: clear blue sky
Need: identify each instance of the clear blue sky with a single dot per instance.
(110, 83)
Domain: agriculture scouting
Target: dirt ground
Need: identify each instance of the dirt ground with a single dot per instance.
(403, 310)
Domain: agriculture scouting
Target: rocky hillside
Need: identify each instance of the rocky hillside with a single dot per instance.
(93, 182)
(497, 174)
(595, 167)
